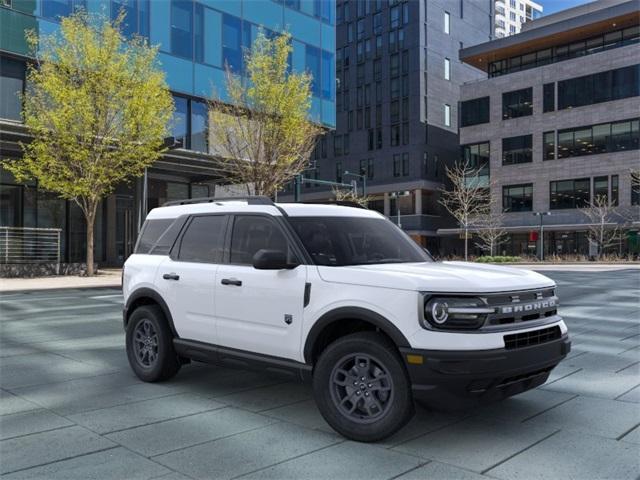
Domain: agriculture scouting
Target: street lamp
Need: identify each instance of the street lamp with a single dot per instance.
(397, 196)
(541, 215)
(364, 181)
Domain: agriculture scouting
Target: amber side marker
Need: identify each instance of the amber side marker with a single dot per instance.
(415, 359)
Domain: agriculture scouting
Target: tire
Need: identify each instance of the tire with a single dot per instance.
(384, 403)
(152, 356)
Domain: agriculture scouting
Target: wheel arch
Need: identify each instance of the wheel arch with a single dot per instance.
(148, 296)
(330, 320)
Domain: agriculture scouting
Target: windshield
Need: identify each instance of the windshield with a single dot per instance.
(340, 241)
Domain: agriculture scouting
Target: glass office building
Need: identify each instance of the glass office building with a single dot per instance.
(197, 40)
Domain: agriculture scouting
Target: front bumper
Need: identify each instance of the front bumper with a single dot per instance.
(459, 379)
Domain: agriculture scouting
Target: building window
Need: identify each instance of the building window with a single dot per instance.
(517, 198)
(394, 17)
(378, 139)
(136, 20)
(549, 146)
(599, 43)
(516, 150)
(394, 65)
(337, 145)
(12, 79)
(345, 144)
(339, 172)
(601, 188)
(447, 23)
(405, 164)
(377, 24)
(474, 112)
(549, 97)
(405, 133)
(518, 103)
(199, 126)
(615, 192)
(395, 135)
(447, 69)
(370, 137)
(570, 193)
(179, 124)
(182, 28)
(600, 87)
(312, 61)
(328, 75)
(53, 10)
(396, 166)
(602, 138)
(476, 156)
(447, 115)
(635, 189)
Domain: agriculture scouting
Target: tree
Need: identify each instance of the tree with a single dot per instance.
(490, 229)
(98, 109)
(262, 132)
(467, 198)
(604, 228)
(350, 195)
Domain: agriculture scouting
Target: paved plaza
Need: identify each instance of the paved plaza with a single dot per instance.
(70, 407)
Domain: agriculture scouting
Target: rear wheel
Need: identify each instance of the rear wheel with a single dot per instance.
(149, 343)
(361, 387)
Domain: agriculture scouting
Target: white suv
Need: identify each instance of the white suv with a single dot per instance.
(339, 296)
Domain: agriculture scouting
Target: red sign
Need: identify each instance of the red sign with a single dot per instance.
(533, 236)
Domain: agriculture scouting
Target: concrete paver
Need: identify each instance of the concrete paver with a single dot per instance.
(70, 406)
(249, 451)
(113, 463)
(179, 433)
(476, 444)
(356, 461)
(597, 416)
(566, 455)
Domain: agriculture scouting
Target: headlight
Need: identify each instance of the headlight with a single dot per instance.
(455, 312)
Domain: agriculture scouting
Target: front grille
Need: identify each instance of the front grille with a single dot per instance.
(517, 299)
(534, 337)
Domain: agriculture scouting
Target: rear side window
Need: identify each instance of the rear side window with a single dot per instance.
(203, 241)
(151, 232)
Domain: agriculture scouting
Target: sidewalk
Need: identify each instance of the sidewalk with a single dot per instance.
(577, 267)
(105, 278)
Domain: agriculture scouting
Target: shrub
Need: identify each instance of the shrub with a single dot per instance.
(498, 259)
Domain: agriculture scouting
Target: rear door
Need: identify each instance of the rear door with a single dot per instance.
(259, 310)
(187, 277)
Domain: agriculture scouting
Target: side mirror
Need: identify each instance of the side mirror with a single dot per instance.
(271, 260)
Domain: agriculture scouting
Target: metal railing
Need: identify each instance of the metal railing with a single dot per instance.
(29, 245)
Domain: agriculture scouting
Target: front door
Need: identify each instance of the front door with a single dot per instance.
(187, 278)
(259, 310)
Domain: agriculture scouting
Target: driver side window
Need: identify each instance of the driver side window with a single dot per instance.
(251, 233)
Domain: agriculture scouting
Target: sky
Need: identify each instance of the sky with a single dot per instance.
(553, 6)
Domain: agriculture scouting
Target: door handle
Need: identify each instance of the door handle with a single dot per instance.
(231, 281)
(171, 276)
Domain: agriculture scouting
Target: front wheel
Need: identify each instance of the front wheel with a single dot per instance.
(361, 387)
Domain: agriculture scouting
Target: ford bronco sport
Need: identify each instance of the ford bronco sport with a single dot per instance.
(338, 296)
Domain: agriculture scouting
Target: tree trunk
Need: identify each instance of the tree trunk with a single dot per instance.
(466, 243)
(90, 217)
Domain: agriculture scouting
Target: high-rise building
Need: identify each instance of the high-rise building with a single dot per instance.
(555, 123)
(398, 82)
(196, 39)
(510, 15)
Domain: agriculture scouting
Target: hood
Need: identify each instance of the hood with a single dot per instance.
(458, 277)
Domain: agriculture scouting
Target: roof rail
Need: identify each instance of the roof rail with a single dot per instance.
(250, 199)
(341, 203)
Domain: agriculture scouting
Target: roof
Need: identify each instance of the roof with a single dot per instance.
(241, 206)
(563, 27)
